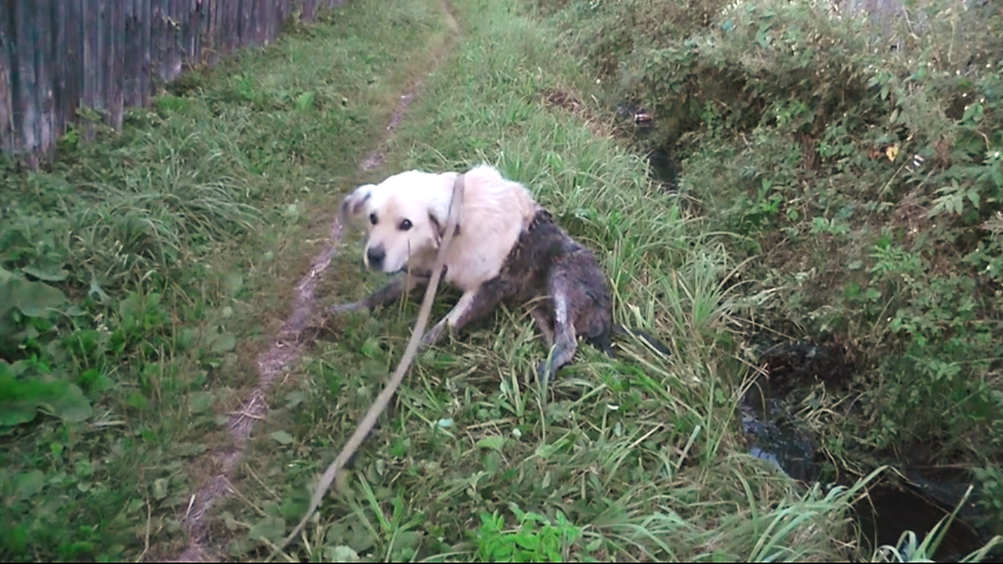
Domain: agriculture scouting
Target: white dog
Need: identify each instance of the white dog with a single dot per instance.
(406, 214)
(405, 217)
(506, 248)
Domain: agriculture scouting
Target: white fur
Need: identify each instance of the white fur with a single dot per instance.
(495, 211)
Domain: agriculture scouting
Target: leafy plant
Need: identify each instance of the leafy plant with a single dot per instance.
(864, 179)
(535, 540)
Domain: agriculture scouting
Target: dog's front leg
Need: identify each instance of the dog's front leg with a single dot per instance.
(385, 295)
(472, 305)
(434, 335)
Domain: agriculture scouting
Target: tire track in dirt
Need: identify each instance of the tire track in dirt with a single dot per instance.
(285, 349)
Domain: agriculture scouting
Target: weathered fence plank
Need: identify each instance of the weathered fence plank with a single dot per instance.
(146, 49)
(60, 54)
(173, 39)
(246, 7)
(161, 13)
(116, 58)
(89, 61)
(74, 62)
(208, 33)
(309, 10)
(131, 57)
(62, 59)
(231, 32)
(193, 32)
(44, 65)
(6, 93)
(24, 80)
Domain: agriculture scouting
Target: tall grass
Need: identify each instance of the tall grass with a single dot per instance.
(138, 274)
(641, 456)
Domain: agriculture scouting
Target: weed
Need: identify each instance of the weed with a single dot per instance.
(137, 274)
(536, 540)
(859, 158)
(634, 458)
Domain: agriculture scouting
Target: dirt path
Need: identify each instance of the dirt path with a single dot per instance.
(285, 348)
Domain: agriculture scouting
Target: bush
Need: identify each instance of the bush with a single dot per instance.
(859, 158)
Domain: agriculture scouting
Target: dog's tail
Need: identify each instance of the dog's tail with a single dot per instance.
(653, 342)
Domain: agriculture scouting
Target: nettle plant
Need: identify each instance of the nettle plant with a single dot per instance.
(944, 284)
(939, 345)
(56, 356)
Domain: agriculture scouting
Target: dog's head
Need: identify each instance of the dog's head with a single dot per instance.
(405, 216)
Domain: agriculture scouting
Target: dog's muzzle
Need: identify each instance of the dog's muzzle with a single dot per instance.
(375, 257)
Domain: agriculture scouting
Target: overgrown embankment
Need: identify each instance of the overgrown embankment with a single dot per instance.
(858, 164)
(140, 276)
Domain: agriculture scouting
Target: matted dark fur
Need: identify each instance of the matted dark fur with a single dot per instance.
(559, 280)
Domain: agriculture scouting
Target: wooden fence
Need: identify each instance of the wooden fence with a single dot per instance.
(58, 56)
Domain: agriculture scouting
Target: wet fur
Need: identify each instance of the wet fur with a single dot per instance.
(560, 282)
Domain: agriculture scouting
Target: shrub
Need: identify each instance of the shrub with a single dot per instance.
(859, 156)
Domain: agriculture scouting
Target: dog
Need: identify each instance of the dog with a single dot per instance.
(506, 249)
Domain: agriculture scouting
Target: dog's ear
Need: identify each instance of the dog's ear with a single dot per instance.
(355, 203)
(439, 227)
(438, 211)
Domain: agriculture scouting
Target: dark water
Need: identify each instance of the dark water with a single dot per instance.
(892, 508)
(893, 505)
(663, 166)
(776, 438)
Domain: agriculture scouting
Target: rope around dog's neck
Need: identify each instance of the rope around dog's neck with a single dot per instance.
(453, 219)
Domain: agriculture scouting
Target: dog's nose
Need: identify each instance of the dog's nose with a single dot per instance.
(376, 256)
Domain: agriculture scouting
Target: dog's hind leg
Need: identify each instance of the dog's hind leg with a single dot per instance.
(391, 292)
(543, 321)
(565, 343)
(603, 343)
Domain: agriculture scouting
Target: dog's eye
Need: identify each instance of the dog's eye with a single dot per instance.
(372, 218)
(405, 225)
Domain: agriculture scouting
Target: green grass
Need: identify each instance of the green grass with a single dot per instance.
(635, 459)
(862, 183)
(141, 274)
(168, 253)
(862, 188)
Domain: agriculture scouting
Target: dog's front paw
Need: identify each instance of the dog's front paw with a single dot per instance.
(433, 335)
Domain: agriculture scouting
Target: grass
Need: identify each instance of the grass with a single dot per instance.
(187, 232)
(141, 273)
(861, 183)
(635, 459)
